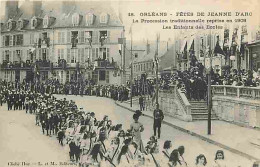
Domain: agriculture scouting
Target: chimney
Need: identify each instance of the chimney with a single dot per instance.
(37, 8)
(67, 6)
(11, 9)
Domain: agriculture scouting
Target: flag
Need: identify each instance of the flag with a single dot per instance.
(230, 35)
(184, 56)
(238, 42)
(218, 49)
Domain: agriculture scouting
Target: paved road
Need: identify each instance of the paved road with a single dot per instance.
(193, 146)
(22, 141)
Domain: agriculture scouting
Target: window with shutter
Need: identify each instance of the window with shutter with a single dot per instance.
(14, 57)
(68, 56)
(28, 55)
(21, 55)
(63, 37)
(11, 56)
(47, 54)
(68, 37)
(61, 75)
(93, 58)
(68, 76)
(86, 54)
(82, 56)
(40, 54)
(100, 55)
(59, 56)
(7, 40)
(3, 41)
(82, 33)
(11, 40)
(108, 50)
(21, 39)
(44, 54)
(3, 55)
(107, 76)
(36, 37)
(79, 55)
(62, 54)
(97, 53)
(14, 40)
(76, 55)
(95, 37)
(59, 37)
(108, 37)
(31, 38)
(72, 59)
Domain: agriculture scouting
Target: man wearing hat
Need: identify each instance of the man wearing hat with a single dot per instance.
(158, 117)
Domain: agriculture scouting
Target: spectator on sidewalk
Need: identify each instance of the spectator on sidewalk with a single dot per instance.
(158, 117)
(141, 103)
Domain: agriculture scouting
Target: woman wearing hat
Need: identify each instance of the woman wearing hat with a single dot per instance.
(136, 127)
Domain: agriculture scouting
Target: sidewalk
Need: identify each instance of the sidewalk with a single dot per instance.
(226, 135)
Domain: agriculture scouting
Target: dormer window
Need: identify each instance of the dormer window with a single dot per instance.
(10, 24)
(75, 19)
(104, 18)
(46, 21)
(89, 19)
(34, 22)
(20, 24)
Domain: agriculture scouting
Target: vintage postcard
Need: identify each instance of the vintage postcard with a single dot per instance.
(130, 83)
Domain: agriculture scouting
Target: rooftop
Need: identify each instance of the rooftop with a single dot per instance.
(63, 18)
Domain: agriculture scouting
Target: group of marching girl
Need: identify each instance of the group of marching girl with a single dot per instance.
(99, 143)
(95, 142)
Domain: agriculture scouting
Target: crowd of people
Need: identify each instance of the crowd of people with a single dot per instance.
(193, 82)
(94, 142)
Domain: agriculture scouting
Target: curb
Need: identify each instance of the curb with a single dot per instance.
(199, 136)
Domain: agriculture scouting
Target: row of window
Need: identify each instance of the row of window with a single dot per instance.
(72, 37)
(143, 67)
(12, 40)
(100, 75)
(47, 20)
(70, 55)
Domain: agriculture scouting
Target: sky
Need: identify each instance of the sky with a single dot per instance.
(142, 31)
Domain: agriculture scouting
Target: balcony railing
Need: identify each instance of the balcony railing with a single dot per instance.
(236, 91)
(105, 64)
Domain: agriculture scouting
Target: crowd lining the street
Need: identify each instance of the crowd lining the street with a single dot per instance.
(95, 142)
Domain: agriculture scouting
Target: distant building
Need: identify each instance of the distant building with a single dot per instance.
(143, 62)
(67, 40)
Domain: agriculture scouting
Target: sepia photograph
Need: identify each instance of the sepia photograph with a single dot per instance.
(129, 83)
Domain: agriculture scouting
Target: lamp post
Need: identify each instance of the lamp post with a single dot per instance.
(209, 93)
(131, 79)
(156, 72)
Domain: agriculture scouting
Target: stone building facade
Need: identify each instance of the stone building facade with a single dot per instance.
(69, 41)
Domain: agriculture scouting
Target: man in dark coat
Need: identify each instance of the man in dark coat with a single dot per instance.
(141, 103)
(158, 118)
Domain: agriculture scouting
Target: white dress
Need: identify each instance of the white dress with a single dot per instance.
(136, 127)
